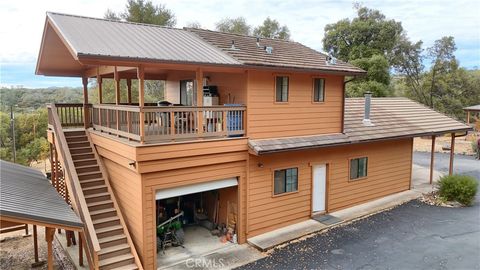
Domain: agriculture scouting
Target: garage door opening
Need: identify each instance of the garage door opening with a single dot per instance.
(195, 220)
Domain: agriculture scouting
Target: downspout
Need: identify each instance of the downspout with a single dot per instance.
(343, 102)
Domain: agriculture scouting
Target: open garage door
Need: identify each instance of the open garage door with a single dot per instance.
(196, 188)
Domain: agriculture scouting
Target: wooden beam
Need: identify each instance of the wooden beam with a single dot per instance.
(35, 243)
(199, 103)
(100, 90)
(452, 154)
(141, 101)
(129, 91)
(80, 249)
(432, 158)
(104, 70)
(49, 232)
(116, 77)
(468, 117)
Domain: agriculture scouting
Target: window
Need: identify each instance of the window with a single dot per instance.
(358, 168)
(285, 180)
(318, 90)
(281, 91)
(187, 93)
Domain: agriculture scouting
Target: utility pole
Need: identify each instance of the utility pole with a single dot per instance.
(12, 128)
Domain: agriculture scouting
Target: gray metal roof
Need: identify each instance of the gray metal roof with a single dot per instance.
(472, 108)
(26, 194)
(98, 37)
(391, 118)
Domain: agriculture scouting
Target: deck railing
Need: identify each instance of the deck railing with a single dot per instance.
(169, 122)
(73, 114)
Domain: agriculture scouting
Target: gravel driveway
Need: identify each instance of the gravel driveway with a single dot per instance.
(410, 236)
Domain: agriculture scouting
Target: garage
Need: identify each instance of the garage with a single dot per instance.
(195, 220)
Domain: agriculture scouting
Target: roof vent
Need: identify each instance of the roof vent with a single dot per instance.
(330, 60)
(268, 49)
(258, 42)
(366, 118)
(233, 46)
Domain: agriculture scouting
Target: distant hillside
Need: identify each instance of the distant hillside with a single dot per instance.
(30, 99)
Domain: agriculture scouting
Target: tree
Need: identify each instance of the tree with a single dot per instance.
(235, 26)
(272, 29)
(144, 11)
(367, 41)
(194, 24)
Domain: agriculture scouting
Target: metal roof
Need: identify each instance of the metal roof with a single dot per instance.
(472, 108)
(27, 195)
(116, 39)
(286, 54)
(391, 118)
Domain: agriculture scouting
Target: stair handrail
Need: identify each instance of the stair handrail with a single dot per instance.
(74, 184)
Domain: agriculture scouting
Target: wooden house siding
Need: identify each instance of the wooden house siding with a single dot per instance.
(300, 115)
(389, 171)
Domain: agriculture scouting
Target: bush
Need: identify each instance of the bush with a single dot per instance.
(460, 188)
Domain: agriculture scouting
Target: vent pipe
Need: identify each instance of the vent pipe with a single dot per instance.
(368, 104)
(233, 45)
(258, 42)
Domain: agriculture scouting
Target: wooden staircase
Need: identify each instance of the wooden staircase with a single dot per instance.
(116, 250)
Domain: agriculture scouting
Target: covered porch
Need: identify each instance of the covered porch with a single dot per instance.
(185, 104)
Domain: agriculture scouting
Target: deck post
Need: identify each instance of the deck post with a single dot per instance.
(468, 117)
(199, 80)
(432, 158)
(141, 101)
(452, 154)
(86, 122)
(116, 77)
(129, 91)
(49, 232)
(80, 249)
(35, 243)
(99, 88)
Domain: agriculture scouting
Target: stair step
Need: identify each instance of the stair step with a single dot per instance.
(85, 162)
(109, 231)
(77, 138)
(127, 267)
(106, 222)
(78, 144)
(103, 213)
(113, 251)
(92, 182)
(89, 175)
(114, 240)
(81, 150)
(94, 189)
(77, 157)
(87, 168)
(93, 206)
(97, 197)
(116, 261)
(74, 133)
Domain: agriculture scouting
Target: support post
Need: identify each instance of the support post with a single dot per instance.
(129, 91)
(199, 80)
(116, 77)
(452, 154)
(35, 243)
(468, 117)
(99, 88)
(86, 116)
(141, 101)
(432, 159)
(80, 249)
(49, 232)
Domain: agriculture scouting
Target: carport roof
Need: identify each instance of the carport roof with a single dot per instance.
(26, 195)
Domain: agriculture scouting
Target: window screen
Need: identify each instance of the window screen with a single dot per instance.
(281, 92)
(285, 180)
(358, 168)
(318, 90)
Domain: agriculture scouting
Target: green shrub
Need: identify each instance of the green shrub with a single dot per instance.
(460, 188)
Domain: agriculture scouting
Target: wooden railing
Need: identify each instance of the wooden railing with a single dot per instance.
(170, 122)
(74, 114)
(73, 184)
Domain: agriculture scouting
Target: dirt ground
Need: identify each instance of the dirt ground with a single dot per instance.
(463, 145)
(16, 251)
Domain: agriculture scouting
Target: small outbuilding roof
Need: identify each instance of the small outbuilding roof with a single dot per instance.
(474, 108)
(27, 195)
(390, 117)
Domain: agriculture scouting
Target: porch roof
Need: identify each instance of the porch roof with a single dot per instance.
(391, 118)
(26, 195)
(474, 108)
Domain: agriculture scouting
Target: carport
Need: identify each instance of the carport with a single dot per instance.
(27, 197)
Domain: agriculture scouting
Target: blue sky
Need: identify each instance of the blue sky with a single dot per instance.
(23, 21)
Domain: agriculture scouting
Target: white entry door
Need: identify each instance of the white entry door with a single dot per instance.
(319, 187)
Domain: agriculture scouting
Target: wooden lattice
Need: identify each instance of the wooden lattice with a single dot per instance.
(58, 176)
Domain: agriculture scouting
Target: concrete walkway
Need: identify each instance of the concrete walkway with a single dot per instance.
(420, 178)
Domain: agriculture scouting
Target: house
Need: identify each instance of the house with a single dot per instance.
(252, 133)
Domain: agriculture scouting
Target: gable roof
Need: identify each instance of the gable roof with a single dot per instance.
(101, 39)
(288, 54)
(391, 118)
(26, 194)
(123, 40)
